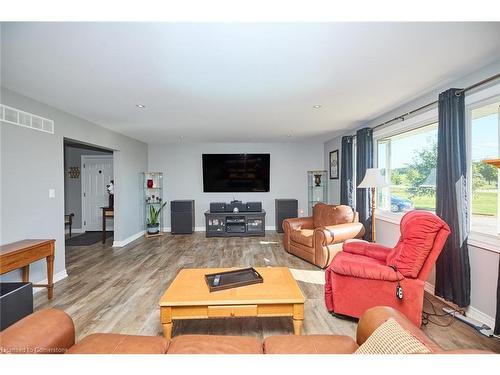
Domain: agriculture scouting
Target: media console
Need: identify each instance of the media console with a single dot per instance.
(235, 224)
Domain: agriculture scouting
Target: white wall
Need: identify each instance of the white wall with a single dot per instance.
(32, 163)
(183, 177)
(333, 185)
(484, 262)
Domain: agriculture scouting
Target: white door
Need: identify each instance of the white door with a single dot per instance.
(97, 172)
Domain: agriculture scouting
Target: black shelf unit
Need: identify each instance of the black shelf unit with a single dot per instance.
(232, 224)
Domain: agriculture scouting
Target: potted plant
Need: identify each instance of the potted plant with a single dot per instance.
(153, 221)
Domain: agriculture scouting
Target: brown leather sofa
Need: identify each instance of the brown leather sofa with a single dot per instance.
(53, 331)
(318, 238)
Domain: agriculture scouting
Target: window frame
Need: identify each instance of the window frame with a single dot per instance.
(473, 101)
(417, 121)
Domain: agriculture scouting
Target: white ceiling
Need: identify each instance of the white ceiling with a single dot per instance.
(237, 82)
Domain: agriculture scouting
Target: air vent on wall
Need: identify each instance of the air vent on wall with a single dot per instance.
(28, 120)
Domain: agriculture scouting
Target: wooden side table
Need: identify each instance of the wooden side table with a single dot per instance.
(107, 212)
(21, 254)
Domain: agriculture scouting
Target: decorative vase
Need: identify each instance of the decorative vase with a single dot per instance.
(153, 229)
(150, 184)
(317, 179)
(111, 200)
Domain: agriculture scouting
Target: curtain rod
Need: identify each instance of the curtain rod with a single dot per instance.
(471, 87)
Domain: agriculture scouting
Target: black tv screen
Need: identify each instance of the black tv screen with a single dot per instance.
(231, 173)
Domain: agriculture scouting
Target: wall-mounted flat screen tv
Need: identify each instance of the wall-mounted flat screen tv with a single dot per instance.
(235, 173)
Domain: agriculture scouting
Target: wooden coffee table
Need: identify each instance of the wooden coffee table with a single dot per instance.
(188, 297)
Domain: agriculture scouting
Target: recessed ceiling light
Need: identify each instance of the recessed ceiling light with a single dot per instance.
(317, 106)
(140, 106)
(289, 135)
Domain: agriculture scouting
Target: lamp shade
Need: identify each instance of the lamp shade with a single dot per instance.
(373, 179)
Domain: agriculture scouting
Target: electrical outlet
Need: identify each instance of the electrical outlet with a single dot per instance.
(52, 193)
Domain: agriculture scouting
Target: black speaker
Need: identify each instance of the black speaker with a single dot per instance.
(16, 302)
(217, 207)
(285, 209)
(254, 206)
(242, 207)
(182, 216)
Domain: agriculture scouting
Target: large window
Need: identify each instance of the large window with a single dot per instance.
(408, 160)
(485, 181)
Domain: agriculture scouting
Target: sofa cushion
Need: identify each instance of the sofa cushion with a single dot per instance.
(110, 343)
(325, 215)
(391, 338)
(311, 344)
(303, 236)
(48, 331)
(418, 233)
(209, 344)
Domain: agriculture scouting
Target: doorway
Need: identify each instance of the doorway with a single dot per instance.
(97, 176)
(88, 172)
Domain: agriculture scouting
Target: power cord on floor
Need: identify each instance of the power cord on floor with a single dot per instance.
(426, 315)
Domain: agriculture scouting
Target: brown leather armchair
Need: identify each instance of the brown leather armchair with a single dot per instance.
(318, 238)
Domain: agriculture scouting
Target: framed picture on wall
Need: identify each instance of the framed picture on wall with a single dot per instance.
(334, 165)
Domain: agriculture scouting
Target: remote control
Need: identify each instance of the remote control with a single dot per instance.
(216, 280)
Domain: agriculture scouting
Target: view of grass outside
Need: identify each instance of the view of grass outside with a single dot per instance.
(485, 145)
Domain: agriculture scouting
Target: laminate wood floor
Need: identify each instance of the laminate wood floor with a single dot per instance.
(117, 289)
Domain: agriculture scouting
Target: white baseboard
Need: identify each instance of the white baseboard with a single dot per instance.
(474, 313)
(57, 277)
(470, 311)
(429, 288)
(74, 230)
(128, 240)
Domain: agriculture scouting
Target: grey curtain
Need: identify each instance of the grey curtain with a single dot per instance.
(364, 160)
(347, 172)
(452, 267)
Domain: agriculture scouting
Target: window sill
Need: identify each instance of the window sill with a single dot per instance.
(485, 241)
(480, 240)
(389, 217)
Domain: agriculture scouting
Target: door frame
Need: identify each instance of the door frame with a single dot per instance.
(84, 158)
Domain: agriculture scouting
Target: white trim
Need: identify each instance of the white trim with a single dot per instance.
(476, 314)
(426, 118)
(429, 288)
(482, 95)
(57, 277)
(128, 240)
(479, 99)
(484, 241)
(388, 217)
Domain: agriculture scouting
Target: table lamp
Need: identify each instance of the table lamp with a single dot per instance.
(373, 179)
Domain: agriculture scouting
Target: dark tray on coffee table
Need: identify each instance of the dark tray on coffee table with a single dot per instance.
(233, 279)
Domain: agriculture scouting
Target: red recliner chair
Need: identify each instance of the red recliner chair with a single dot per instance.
(366, 274)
